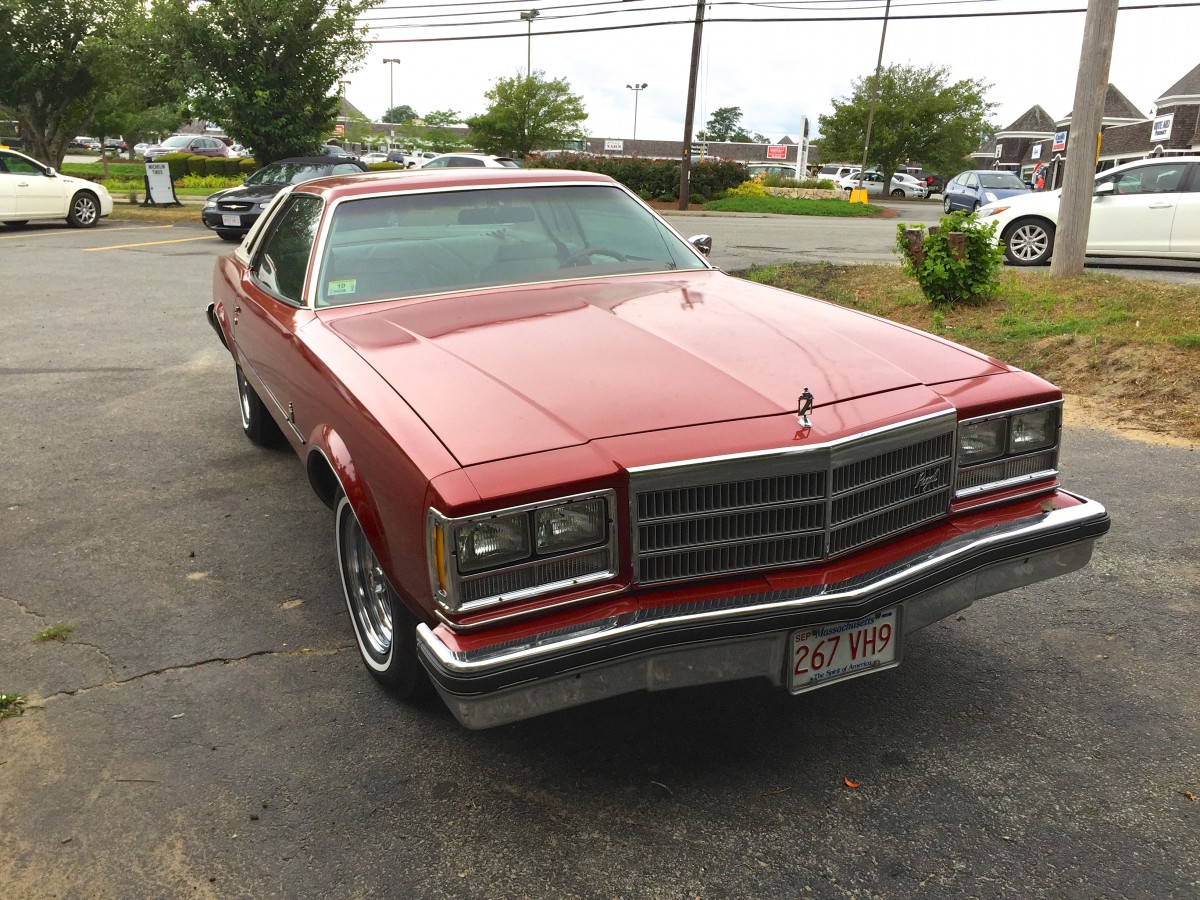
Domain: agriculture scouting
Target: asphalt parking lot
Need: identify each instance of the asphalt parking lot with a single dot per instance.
(206, 728)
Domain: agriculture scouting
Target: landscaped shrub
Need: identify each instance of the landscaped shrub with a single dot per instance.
(384, 166)
(207, 182)
(951, 269)
(747, 189)
(177, 163)
(196, 165)
(821, 184)
(246, 166)
(650, 179)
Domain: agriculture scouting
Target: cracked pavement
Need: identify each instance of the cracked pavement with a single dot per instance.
(207, 729)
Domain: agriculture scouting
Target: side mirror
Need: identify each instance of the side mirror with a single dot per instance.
(50, 173)
(701, 242)
(1101, 189)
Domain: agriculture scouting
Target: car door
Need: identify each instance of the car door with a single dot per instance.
(272, 308)
(8, 191)
(1185, 230)
(1137, 216)
(36, 193)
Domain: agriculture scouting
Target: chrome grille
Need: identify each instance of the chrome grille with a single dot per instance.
(793, 507)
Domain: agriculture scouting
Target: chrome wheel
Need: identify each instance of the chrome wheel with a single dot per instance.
(1029, 242)
(385, 629)
(85, 211)
(369, 596)
(946, 204)
(244, 400)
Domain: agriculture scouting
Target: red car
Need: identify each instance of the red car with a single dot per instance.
(567, 458)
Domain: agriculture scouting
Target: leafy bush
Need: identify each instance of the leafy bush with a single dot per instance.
(384, 166)
(748, 189)
(821, 184)
(208, 182)
(177, 163)
(946, 278)
(651, 179)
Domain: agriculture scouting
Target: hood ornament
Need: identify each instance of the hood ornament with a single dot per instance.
(804, 405)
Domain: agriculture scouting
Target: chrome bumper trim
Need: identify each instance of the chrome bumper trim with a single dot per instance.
(742, 637)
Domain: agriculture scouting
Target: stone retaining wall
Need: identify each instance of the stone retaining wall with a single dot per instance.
(809, 193)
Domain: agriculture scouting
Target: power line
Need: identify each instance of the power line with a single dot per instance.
(767, 20)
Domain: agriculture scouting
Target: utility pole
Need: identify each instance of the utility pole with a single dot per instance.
(529, 15)
(859, 194)
(685, 166)
(1087, 117)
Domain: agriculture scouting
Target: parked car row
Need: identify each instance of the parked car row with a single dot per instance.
(902, 185)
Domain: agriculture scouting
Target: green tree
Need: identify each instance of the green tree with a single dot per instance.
(725, 124)
(266, 70)
(400, 115)
(920, 115)
(59, 59)
(528, 113)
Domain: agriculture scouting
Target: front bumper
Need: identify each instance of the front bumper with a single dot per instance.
(728, 638)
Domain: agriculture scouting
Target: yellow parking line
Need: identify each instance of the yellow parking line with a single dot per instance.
(59, 233)
(207, 237)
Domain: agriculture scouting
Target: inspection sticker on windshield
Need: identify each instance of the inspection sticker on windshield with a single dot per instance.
(345, 286)
(835, 651)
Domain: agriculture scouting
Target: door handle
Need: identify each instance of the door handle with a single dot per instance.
(1162, 205)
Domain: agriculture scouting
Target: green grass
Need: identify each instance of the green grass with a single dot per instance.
(792, 207)
(1186, 341)
(11, 705)
(57, 632)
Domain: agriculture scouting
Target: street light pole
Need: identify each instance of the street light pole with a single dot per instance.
(529, 15)
(637, 89)
(392, 94)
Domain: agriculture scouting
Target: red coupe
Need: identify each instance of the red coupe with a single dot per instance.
(568, 458)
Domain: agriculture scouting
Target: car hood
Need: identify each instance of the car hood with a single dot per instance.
(1002, 193)
(250, 192)
(521, 370)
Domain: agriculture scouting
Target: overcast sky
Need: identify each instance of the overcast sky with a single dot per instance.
(776, 72)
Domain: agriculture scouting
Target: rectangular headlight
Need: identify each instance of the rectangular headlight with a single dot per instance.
(1033, 430)
(492, 542)
(981, 441)
(1007, 450)
(571, 525)
(521, 552)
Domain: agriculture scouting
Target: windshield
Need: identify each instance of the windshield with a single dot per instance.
(179, 140)
(411, 244)
(1004, 181)
(286, 173)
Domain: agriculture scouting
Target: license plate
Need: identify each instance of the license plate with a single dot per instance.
(836, 651)
(231, 220)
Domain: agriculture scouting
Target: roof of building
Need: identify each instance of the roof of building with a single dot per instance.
(1034, 119)
(1116, 106)
(1187, 86)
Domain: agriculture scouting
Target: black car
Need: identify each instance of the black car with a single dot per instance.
(231, 212)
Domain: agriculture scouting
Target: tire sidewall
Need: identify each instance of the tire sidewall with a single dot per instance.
(92, 205)
(343, 517)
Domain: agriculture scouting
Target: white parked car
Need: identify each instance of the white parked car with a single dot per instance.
(903, 186)
(30, 191)
(468, 160)
(1146, 208)
(368, 158)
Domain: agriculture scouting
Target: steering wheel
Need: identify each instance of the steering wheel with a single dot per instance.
(584, 256)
